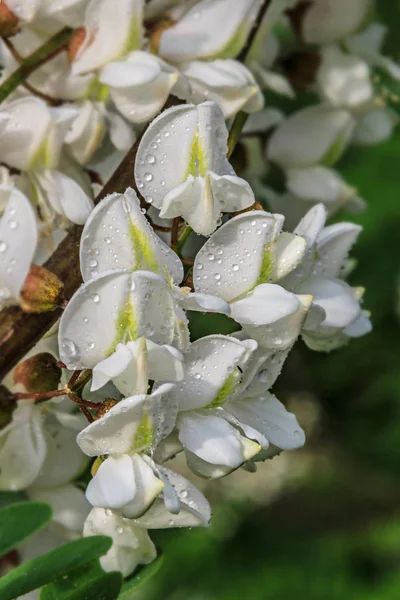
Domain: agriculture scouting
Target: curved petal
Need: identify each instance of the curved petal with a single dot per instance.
(130, 242)
(66, 196)
(123, 19)
(128, 306)
(330, 20)
(214, 440)
(264, 305)
(204, 303)
(69, 505)
(198, 34)
(18, 241)
(316, 134)
(335, 297)
(23, 448)
(184, 140)
(318, 184)
(268, 416)
(226, 82)
(111, 367)
(333, 245)
(131, 544)
(194, 509)
(114, 484)
(210, 371)
(133, 425)
(312, 224)
(233, 260)
(288, 252)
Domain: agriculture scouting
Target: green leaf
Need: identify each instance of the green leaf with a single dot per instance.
(48, 567)
(130, 586)
(7, 498)
(62, 587)
(104, 587)
(19, 521)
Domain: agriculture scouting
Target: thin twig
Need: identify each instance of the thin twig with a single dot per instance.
(245, 51)
(175, 232)
(39, 396)
(46, 52)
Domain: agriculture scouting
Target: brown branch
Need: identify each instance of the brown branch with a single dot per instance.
(20, 331)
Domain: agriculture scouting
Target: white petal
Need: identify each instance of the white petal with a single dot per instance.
(333, 245)
(18, 240)
(111, 367)
(128, 306)
(22, 448)
(194, 509)
(24, 10)
(288, 251)
(268, 416)
(274, 81)
(335, 297)
(231, 262)
(198, 34)
(210, 371)
(317, 134)
(114, 485)
(227, 82)
(130, 242)
(121, 132)
(184, 140)
(66, 196)
(86, 132)
(312, 224)
(330, 20)
(214, 440)
(204, 303)
(24, 132)
(141, 85)
(148, 487)
(102, 17)
(132, 425)
(318, 184)
(375, 126)
(131, 544)
(359, 327)
(69, 505)
(264, 305)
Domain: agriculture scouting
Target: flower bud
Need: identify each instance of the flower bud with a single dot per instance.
(40, 373)
(9, 22)
(42, 291)
(75, 43)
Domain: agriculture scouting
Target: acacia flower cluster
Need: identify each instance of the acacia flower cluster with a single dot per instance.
(118, 386)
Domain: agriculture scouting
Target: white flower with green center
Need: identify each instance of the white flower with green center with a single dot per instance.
(227, 82)
(127, 306)
(18, 242)
(117, 235)
(199, 34)
(112, 29)
(140, 85)
(182, 169)
(313, 135)
(335, 314)
(225, 414)
(242, 263)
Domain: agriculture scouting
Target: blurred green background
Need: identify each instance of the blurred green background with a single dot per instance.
(322, 523)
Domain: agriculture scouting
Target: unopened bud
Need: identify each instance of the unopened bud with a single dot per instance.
(40, 373)
(42, 291)
(106, 405)
(75, 43)
(157, 32)
(9, 22)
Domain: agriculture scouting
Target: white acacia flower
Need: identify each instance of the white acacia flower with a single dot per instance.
(18, 242)
(141, 83)
(326, 21)
(242, 263)
(227, 82)
(131, 543)
(336, 314)
(322, 184)
(182, 168)
(369, 44)
(34, 133)
(111, 31)
(344, 80)
(199, 34)
(132, 244)
(128, 306)
(226, 416)
(316, 134)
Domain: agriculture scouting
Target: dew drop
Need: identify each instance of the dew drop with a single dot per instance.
(96, 298)
(12, 224)
(150, 159)
(3, 246)
(235, 267)
(211, 256)
(92, 263)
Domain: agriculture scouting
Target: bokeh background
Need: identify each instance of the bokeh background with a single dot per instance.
(322, 523)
